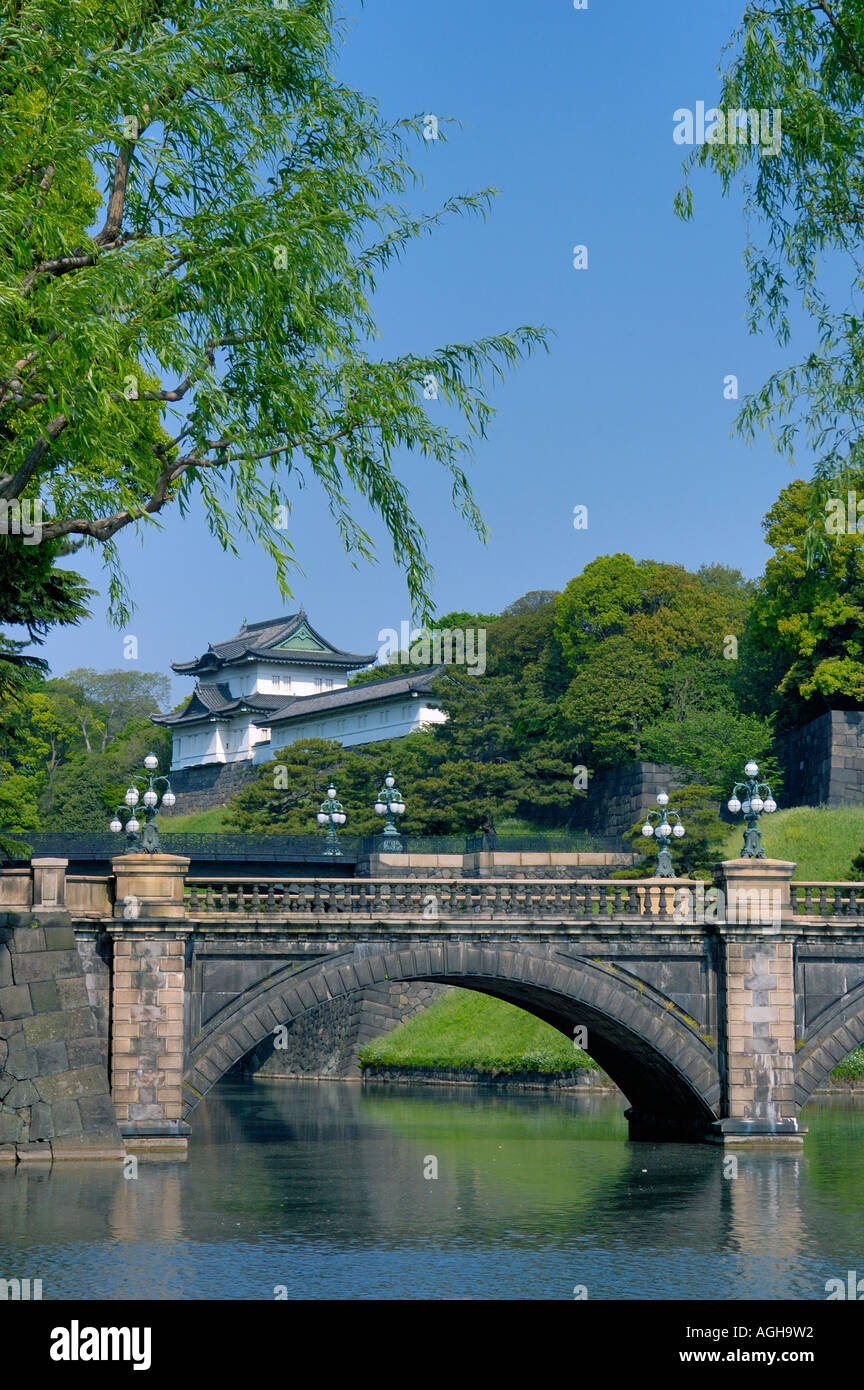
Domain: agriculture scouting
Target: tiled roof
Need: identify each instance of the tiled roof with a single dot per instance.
(217, 702)
(369, 692)
(261, 641)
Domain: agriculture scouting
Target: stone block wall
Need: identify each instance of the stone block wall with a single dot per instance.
(823, 762)
(54, 1096)
(618, 797)
(326, 1041)
(214, 784)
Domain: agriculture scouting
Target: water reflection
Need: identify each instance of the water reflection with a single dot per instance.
(319, 1188)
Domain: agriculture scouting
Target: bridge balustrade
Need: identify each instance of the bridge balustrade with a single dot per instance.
(429, 899)
(821, 900)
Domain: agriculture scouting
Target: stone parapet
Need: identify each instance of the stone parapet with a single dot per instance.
(149, 886)
(49, 886)
(537, 864)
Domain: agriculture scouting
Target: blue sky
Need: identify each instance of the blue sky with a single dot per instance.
(570, 115)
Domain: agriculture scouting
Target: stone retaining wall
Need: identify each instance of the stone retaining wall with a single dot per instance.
(214, 784)
(618, 797)
(583, 1079)
(54, 1096)
(326, 1041)
(823, 762)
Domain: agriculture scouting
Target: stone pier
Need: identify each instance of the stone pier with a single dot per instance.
(149, 991)
(759, 1014)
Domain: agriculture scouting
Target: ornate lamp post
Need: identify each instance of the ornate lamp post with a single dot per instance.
(659, 824)
(757, 797)
(390, 803)
(143, 838)
(331, 815)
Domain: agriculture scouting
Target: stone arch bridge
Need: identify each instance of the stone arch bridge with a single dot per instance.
(718, 1018)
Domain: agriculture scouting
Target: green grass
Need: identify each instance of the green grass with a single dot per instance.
(851, 1068)
(465, 1031)
(516, 825)
(821, 840)
(470, 1031)
(194, 822)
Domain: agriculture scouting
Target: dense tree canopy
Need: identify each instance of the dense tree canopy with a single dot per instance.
(86, 789)
(35, 595)
(68, 746)
(804, 647)
(634, 659)
(645, 643)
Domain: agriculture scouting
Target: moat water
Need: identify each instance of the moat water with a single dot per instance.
(319, 1190)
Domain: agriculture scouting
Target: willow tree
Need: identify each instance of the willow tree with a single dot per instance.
(804, 200)
(194, 211)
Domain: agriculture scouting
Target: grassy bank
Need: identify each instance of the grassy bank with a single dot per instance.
(821, 840)
(195, 822)
(473, 1032)
(851, 1068)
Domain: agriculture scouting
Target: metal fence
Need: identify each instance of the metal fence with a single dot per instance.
(267, 848)
(277, 848)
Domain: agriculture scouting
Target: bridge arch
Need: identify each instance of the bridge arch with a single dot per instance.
(665, 1068)
(836, 1032)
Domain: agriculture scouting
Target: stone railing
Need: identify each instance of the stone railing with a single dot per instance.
(813, 899)
(236, 897)
(159, 887)
(82, 895)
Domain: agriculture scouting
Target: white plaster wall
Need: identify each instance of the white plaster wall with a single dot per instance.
(268, 678)
(194, 746)
(239, 741)
(354, 728)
